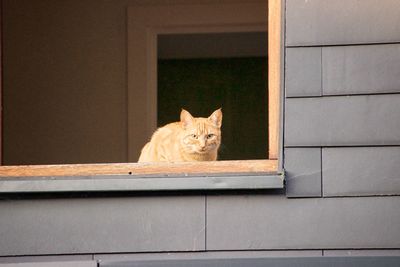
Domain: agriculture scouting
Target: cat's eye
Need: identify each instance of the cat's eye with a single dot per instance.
(194, 136)
(210, 136)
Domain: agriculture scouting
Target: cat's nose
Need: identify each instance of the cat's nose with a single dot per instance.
(202, 144)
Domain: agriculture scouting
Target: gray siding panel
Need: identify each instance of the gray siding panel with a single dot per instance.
(68, 258)
(303, 71)
(275, 222)
(58, 226)
(303, 172)
(363, 253)
(262, 262)
(52, 264)
(359, 171)
(361, 69)
(208, 255)
(318, 22)
(347, 121)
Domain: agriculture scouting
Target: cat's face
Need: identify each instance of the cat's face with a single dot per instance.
(201, 135)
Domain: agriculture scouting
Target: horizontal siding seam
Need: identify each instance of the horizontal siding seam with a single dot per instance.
(364, 196)
(342, 44)
(344, 95)
(337, 146)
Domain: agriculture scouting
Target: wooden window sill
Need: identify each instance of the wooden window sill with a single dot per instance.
(219, 175)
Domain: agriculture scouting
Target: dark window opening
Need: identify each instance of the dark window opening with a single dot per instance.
(202, 72)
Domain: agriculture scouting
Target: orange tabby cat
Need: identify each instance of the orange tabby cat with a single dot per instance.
(191, 139)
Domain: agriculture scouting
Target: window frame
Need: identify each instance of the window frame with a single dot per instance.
(220, 175)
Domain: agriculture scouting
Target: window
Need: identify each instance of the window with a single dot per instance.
(145, 25)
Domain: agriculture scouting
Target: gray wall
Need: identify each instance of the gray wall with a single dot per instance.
(342, 155)
(342, 98)
(342, 127)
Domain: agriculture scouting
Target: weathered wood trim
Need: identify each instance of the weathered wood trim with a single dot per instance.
(274, 74)
(140, 169)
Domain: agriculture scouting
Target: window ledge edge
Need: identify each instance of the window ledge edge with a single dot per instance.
(129, 183)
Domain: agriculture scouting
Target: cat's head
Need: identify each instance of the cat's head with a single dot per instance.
(201, 135)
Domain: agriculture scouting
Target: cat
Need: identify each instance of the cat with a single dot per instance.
(190, 139)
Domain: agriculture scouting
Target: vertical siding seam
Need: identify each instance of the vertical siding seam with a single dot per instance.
(321, 73)
(322, 173)
(321, 149)
(205, 222)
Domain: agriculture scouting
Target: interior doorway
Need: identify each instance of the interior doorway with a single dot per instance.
(203, 72)
(208, 35)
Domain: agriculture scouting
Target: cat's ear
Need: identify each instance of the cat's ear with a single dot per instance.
(186, 118)
(216, 117)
